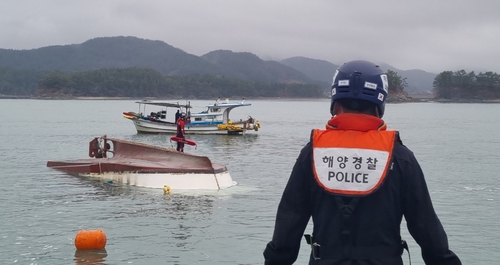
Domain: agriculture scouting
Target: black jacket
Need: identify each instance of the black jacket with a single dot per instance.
(374, 225)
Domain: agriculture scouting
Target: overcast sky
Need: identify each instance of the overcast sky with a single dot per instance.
(432, 35)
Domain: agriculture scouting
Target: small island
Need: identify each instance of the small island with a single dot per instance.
(456, 87)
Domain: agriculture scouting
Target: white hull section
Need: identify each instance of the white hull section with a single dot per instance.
(155, 127)
(176, 181)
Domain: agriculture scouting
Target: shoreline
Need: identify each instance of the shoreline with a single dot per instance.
(410, 100)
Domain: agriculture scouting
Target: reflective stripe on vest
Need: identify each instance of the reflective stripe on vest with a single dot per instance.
(349, 162)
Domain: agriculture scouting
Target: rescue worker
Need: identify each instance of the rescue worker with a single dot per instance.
(177, 115)
(180, 132)
(357, 180)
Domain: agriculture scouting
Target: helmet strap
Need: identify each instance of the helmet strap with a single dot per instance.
(333, 109)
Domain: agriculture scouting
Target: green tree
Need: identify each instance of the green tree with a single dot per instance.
(397, 84)
(56, 82)
(142, 82)
(19, 82)
(443, 85)
(463, 85)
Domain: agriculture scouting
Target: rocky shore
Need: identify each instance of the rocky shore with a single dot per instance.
(402, 98)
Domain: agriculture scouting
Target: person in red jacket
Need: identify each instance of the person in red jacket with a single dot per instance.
(180, 131)
(357, 181)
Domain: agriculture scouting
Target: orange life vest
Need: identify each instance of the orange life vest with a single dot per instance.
(353, 155)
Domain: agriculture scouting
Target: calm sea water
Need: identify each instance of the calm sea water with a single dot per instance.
(42, 209)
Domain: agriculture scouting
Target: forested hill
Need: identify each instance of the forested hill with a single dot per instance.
(112, 52)
(21, 71)
(123, 52)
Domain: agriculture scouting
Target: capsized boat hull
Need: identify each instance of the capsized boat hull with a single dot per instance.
(147, 166)
(175, 181)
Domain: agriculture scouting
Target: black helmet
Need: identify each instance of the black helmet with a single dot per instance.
(360, 80)
(183, 115)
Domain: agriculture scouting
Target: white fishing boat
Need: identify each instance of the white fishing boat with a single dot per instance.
(139, 164)
(214, 120)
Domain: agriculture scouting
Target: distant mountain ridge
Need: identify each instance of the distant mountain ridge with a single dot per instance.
(315, 69)
(250, 67)
(419, 81)
(109, 52)
(123, 52)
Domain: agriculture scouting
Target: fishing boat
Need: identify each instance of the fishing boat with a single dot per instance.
(144, 165)
(213, 120)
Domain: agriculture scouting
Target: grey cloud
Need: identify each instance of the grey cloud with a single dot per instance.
(431, 35)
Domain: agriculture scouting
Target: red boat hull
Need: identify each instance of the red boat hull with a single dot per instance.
(137, 157)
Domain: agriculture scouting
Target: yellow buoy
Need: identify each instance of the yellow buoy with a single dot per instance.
(166, 189)
(90, 239)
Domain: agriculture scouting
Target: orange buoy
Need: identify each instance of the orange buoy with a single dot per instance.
(90, 239)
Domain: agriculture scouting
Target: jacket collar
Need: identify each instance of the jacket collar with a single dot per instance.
(356, 122)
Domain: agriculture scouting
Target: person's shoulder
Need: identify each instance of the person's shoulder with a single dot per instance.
(400, 150)
(404, 153)
(305, 153)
